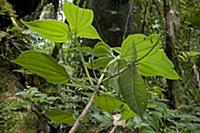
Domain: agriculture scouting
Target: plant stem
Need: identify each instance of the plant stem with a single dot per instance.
(83, 60)
(85, 68)
(88, 106)
(113, 129)
(116, 74)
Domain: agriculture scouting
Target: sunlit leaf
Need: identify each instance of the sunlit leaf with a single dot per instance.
(153, 61)
(80, 21)
(117, 50)
(44, 66)
(78, 18)
(157, 64)
(52, 30)
(89, 32)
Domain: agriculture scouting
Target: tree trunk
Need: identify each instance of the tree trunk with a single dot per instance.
(170, 28)
(112, 19)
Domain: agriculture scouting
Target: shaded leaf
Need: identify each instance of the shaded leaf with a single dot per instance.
(102, 50)
(43, 65)
(110, 104)
(113, 82)
(128, 50)
(86, 49)
(60, 117)
(101, 62)
(133, 89)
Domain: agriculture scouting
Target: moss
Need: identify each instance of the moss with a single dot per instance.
(6, 8)
(14, 114)
(15, 118)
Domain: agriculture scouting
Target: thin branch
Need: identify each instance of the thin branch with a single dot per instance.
(96, 88)
(79, 86)
(113, 129)
(145, 16)
(88, 106)
(85, 68)
(14, 22)
(83, 61)
(94, 73)
(116, 74)
(56, 49)
(127, 20)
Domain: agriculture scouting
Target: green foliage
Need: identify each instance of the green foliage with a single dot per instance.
(128, 50)
(89, 32)
(150, 67)
(133, 47)
(80, 21)
(43, 65)
(6, 8)
(102, 50)
(133, 89)
(60, 117)
(148, 48)
(111, 105)
(15, 118)
(52, 30)
(104, 54)
(33, 95)
(10, 120)
(138, 54)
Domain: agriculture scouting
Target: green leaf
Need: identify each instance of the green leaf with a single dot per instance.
(80, 21)
(110, 104)
(52, 30)
(128, 50)
(145, 44)
(86, 49)
(89, 32)
(117, 50)
(102, 50)
(60, 117)
(113, 82)
(157, 64)
(101, 62)
(44, 66)
(78, 18)
(133, 88)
